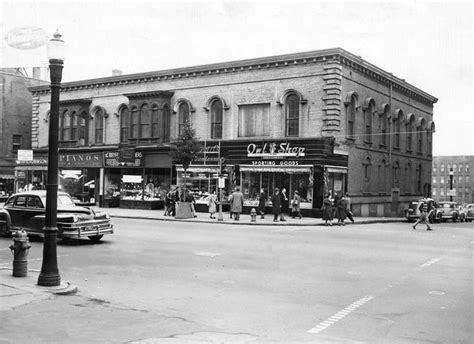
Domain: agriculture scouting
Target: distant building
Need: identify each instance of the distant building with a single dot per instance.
(461, 167)
(319, 121)
(15, 120)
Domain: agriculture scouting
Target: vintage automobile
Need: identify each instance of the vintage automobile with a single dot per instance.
(413, 213)
(469, 212)
(26, 210)
(449, 211)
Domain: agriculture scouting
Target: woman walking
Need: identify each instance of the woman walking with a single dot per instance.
(327, 209)
(262, 201)
(212, 204)
(295, 205)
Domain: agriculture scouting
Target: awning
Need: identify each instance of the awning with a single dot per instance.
(199, 169)
(7, 176)
(277, 169)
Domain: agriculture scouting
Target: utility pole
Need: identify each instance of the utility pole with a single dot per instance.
(220, 217)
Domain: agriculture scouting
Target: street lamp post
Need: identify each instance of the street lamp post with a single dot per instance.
(49, 275)
(451, 176)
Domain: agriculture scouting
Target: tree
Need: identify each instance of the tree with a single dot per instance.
(187, 148)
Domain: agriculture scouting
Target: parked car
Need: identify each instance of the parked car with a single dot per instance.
(449, 211)
(469, 212)
(26, 210)
(413, 213)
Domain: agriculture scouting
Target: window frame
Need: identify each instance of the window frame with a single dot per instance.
(216, 109)
(292, 114)
(99, 118)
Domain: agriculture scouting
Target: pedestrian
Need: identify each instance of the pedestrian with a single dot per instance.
(341, 211)
(296, 205)
(212, 204)
(327, 209)
(335, 202)
(349, 214)
(276, 206)
(237, 203)
(423, 208)
(262, 201)
(188, 197)
(284, 201)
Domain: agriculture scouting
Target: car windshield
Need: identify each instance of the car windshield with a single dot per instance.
(65, 201)
(470, 206)
(447, 205)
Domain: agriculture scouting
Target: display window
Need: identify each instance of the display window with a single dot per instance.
(292, 179)
(336, 180)
(201, 180)
(78, 183)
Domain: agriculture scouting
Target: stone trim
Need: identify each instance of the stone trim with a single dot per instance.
(332, 99)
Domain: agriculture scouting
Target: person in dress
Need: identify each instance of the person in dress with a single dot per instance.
(327, 209)
(212, 204)
(296, 205)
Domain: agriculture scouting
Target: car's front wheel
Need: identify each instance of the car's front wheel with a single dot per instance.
(95, 238)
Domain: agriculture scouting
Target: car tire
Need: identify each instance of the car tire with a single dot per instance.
(4, 232)
(96, 238)
(455, 219)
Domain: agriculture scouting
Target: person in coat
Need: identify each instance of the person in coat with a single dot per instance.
(327, 209)
(295, 205)
(237, 203)
(284, 201)
(212, 204)
(341, 210)
(349, 214)
(276, 206)
(262, 201)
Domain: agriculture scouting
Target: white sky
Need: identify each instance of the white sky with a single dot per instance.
(429, 44)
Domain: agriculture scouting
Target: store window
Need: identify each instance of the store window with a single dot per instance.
(292, 114)
(79, 184)
(254, 120)
(200, 180)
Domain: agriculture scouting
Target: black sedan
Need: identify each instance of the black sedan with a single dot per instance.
(26, 210)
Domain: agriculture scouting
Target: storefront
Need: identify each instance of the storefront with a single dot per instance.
(307, 166)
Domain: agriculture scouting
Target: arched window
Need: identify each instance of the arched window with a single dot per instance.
(397, 126)
(166, 123)
(369, 111)
(134, 123)
(74, 124)
(83, 129)
(145, 119)
(124, 124)
(429, 137)
(155, 121)
(65, 126)
(384, 126)
(292, 114)
(409, 176)
(409, 129)
(351, 116)
(395, 173)
(99, 125)
(216, 119)
(367, 166)
(183, 116)
(420, 129)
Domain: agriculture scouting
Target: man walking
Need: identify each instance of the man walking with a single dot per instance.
(237, 203)
(423, 208)
(276, 206)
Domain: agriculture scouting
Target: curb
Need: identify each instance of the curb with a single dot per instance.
(193, 220)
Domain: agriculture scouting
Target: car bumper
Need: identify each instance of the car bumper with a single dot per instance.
(86, 231)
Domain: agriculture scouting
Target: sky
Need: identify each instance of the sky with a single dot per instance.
(427, 43)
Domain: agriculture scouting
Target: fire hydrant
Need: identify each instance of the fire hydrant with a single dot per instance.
(20, 248)
(253, 215)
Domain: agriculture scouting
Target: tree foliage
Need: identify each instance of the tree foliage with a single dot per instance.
(187, 146)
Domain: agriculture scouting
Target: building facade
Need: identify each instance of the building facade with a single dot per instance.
(315, 122)
(15, 121)
(453, 178)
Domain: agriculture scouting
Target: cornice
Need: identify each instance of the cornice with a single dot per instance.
(151, 94)
(337, 55)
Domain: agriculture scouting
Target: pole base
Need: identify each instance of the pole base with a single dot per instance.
(49, 280)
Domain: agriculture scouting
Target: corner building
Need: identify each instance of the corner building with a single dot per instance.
(314, 122)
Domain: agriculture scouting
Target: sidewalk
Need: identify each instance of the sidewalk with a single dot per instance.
(245, 219)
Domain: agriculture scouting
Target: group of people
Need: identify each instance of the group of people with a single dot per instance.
(176, 195)
(280, 204)
(338, 207)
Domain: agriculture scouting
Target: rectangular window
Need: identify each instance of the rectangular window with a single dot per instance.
(434, 168)
(460, 179)
(17, 140)
(434, 180)
(254, 120)
(442, 180)
(442, 192)
(442, 167)
(460, 168)
(467, 167)
(433, 193)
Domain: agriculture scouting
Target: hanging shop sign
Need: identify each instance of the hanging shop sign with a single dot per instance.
(113, 159)
(208, 155)
(275, 151)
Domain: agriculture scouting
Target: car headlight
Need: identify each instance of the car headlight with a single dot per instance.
(107, 216)
(75, 219)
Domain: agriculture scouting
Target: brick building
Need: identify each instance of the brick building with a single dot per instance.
(460, 167)
(15, 120)
(316, 121)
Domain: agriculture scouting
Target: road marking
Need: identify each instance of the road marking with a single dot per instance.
(207, 254)
(430, 262)
(340, 315)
